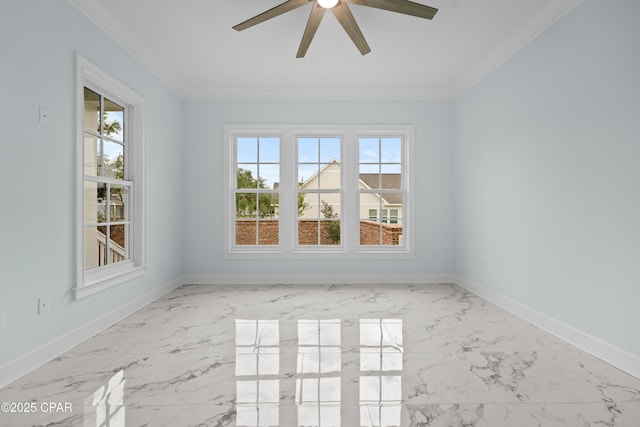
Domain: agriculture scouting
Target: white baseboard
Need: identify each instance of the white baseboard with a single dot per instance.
(316, 279)
(609, 353)
(17, 368)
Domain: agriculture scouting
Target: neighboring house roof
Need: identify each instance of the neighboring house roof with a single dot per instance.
(391, 181)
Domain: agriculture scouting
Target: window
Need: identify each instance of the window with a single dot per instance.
(110, 181)
(257, 194)
(318, 191)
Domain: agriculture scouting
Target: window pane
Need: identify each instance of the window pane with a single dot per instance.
(117, 243)
(95, 253)
(247, 150)
(91, 111)
(387, 229)
(269, 150)
(91, 155)
(310, 204)
(245, 231)
(391, 150)
(391, 169)
(269, 176)
(370, 169)
(268, 231)
(267, 205)
(307, 231)
(113, 118)
(246, 204)
(308, 150)
(118, 202)
(392, 181)
(369, 150)
(329, 149)
(329, 177)
(330, 232)
(95, 196)
(113, 159)
(246, 176)
(307, 176)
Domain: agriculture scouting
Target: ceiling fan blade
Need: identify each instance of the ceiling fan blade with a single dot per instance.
(317, 13)
(348, 22)
(400, 6)
(271, 13)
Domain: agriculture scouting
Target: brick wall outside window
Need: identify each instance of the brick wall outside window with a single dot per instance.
(308, 232)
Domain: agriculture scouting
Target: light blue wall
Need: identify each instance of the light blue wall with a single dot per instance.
(204, 121)
(547, 174)
(38, 41)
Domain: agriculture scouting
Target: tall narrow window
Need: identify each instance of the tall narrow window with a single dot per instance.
(110, 181)
(257, 190)
(106, 182)
(382, 189)
(319, 191)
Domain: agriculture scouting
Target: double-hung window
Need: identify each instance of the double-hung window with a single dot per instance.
(318, 191)
(110, 181)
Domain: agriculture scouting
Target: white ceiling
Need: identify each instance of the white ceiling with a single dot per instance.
(191, 46)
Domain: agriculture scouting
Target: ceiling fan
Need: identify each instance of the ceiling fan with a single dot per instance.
(342, 12)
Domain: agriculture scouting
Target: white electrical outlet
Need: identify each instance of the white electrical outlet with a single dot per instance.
(43, 305)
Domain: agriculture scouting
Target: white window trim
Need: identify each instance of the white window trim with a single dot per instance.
(350, 241)
(96, 280)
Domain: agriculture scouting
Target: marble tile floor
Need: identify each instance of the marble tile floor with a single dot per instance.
(350, 356)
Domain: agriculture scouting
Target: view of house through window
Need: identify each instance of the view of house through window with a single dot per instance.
(319, 194)
(106, 188)
(320, 191)
(381, 190)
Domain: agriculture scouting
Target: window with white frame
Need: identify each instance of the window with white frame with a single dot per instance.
(110, 181)
(317, 191)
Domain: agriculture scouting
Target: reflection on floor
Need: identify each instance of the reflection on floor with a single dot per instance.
(383, 356)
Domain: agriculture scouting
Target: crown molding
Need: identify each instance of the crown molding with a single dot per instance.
(121, 35)
(521, 38)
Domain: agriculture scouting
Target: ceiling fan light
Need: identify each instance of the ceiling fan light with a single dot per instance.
(327, 4)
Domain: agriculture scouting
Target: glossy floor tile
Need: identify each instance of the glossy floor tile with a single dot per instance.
(350, 356)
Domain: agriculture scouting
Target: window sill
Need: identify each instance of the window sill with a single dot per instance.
(102, 280)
